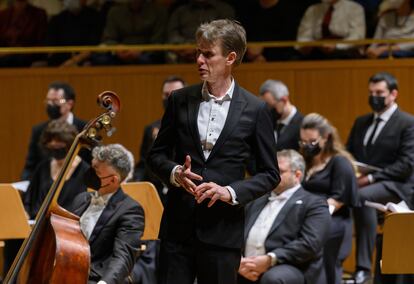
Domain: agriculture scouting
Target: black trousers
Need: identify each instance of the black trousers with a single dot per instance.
(365, 219)
(279, 274)
(182, 262)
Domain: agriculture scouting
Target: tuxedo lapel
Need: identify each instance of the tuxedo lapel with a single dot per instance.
(113, 205)
(193, 105)
(295, 200)
(389, 125)
(237, 105)
(254, 211)
(80, 208)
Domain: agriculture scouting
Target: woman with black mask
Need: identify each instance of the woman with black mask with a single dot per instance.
(330, 173)
(55, 140)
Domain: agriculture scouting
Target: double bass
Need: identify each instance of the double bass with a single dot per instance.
(56, 251)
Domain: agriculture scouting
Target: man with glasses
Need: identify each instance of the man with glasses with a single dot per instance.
(384, 139)
(59, 102)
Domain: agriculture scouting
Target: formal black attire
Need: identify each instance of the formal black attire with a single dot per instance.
(209, 240)
(296, 237)
(35, 154)
(141, 171)
(336, 180)
(393, 152)
(115, 239)
(289, 135)
(42, 181)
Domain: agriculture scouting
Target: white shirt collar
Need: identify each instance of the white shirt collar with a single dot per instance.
(207, 96)
(386, 115)
(287, 193)
(70, 117)
(287, 120)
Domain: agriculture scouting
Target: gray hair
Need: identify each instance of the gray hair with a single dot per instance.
(277, 88)
(296, 161)
(230, 35)
(117, 156)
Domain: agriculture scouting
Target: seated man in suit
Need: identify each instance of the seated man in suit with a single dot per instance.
(385, 139)
(111, 221)
(287, 119)
(60, 100)
(285, 231)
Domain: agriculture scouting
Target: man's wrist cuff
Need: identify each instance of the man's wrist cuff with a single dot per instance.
(273, 258)
(172, 176)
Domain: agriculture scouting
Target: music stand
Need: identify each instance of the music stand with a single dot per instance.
(398, 245)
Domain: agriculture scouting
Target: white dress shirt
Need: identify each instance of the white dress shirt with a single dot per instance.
(392, 26)
(347, 22)
(385, 116)
(255, 243)
(91, 215)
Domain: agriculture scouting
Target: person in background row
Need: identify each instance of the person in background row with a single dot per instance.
(285, 231)
(287, 119)
(60, 101)
(141, 172)
(383, 138)
(330, 174)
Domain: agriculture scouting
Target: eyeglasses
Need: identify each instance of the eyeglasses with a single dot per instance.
(57, 102)
(312, 142)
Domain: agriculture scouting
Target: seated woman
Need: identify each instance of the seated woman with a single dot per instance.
(330, 174)
(396, 22)
(56, 141)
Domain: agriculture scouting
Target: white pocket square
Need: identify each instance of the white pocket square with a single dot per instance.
(299, 202)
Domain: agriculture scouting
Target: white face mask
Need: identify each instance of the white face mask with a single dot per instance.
(71, 5)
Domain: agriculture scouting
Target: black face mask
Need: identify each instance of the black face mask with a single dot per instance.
(58, 153)
(53, 111)
(309, 150)
(91, 179)
(377, 103)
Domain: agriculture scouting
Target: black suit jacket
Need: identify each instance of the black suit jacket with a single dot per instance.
(115, 240)
(393, 151)
(35, 154)
(290, 134)
(298, 233)
(248, 129)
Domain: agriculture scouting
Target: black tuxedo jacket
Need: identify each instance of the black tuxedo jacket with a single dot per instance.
(290, 134)
(298, 233)
(393, 151)
(115, 240)
(35, 154)
(247, 130)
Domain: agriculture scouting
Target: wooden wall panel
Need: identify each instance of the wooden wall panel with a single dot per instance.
(336, 89)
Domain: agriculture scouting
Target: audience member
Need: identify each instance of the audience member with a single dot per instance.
(76, 25)
(395, 23)
(271, 20)
(332, 19)
(21, 24)
(330, 174)
(385, 139)
(142, 172)
(185, 19)
(112, 222)
(285, 231)
(207, 134)
(136, 22)
(286, 118)
(60, 100)
(51, 7)
(371, 14)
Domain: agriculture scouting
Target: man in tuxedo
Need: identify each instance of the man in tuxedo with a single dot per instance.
(112, 222)
(385, 139)
(286, 118)
(60, 100)
(141, 172)
(208, 132)
(285, 231)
